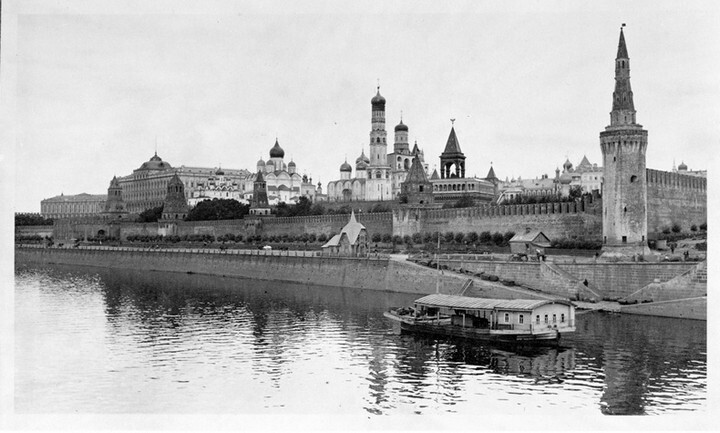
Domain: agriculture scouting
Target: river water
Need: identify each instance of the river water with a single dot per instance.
(98, 341)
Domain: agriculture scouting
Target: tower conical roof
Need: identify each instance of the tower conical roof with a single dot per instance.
(416, 173)
(491, 174)
(452, 147)
(622, 49)
(415, 149)
(434, 175)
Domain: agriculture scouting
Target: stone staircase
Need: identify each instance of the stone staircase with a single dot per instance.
(690, 284)
(562, 281)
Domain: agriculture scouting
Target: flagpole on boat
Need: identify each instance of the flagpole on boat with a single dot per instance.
(437, 264)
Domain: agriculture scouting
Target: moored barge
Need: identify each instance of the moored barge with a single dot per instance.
(509, 320)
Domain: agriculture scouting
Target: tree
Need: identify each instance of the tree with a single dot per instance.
(459, 237)
(150, 215)
(498, 238)
(507, 236)
(218, 209)
(379, 207)
(676, 228)
(485, 237)
(464, 201)
(473, 237)
(376, 237)
(417, 238)
(575, 192)
(386, 238)
(32, 219)
(449, 236)
(317, 209)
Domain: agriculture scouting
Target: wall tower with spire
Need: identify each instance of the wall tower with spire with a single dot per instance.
(624, 145)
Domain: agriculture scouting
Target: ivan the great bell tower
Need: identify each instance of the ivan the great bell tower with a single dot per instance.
(624, 144)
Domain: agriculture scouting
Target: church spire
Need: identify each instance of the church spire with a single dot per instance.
(622, 49)
(623, 108)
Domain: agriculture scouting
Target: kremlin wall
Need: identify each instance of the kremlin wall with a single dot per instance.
(635, 204)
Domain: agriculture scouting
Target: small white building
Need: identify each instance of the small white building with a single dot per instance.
(529, 243)
(351, 242)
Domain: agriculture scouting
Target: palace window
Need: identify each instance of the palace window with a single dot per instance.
(546, 318)
(521, 318)
(554, 318)
(562, 318)
(507, 318)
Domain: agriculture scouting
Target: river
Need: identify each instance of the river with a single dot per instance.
(100, 341)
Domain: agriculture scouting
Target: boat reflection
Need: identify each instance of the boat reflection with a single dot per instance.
(541, 362)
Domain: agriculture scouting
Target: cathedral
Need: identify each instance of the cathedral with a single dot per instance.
(283, 183)
(379, 176)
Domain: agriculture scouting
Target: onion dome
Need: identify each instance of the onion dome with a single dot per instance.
(345, 167)
(401, 127)
(362, 158)
(219, 172)
(378, 100)
(568, 165)
(277, 151)
(565, 178)
(260, 162)
(292, 164)
(682, 167)
(361, 165)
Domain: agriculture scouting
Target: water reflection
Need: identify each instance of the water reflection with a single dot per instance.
(157, 342)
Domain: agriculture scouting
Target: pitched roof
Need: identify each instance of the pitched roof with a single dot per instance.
(453, 145)
(352, 229)
(534, 236)
(434, 175)
(470, 303)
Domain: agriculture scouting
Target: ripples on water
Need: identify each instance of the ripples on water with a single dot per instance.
(129, 342)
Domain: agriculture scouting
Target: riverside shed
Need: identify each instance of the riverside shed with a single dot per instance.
(529, 243)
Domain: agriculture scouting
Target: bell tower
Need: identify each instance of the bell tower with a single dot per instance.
(624, 144)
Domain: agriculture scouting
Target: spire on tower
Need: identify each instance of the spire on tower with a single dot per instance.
(622, 49)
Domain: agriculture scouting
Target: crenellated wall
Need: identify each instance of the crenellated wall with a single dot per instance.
(581, 220)
(675, 198)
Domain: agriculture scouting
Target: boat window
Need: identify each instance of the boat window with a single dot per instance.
(507, 318)
(546, 318)
(521, 319)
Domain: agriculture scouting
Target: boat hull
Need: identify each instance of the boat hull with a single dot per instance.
(444, 328)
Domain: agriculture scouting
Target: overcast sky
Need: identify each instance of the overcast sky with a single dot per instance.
(93, 86)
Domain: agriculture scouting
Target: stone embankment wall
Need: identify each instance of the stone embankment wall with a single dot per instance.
(608, 280)
(362, 273)
(693, 308)
(675, 199)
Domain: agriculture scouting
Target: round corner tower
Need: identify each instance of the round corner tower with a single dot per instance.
(623, 145)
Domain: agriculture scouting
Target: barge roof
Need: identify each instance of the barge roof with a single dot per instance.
(470, 303)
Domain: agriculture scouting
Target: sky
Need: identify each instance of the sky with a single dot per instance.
(93, 89)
